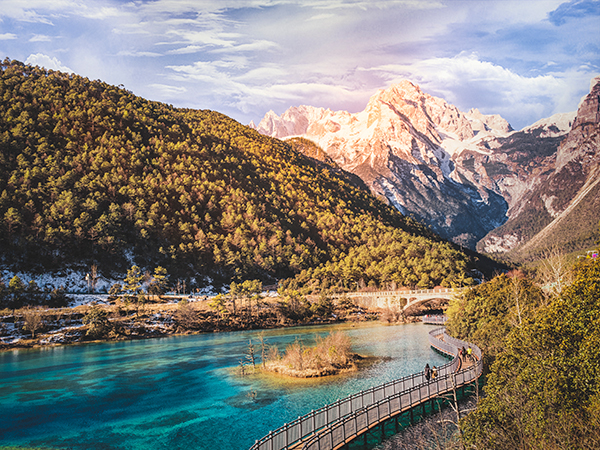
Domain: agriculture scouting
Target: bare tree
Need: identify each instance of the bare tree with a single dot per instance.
(32, 320)
(263, 349)
(555, 272)
(129, 209)
(93, 276)
(186, 315)
(517, 293)
(250, 356)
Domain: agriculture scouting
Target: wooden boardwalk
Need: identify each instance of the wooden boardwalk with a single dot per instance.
(335, 425)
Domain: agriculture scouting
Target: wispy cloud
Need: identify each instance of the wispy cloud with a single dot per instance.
(244, 57)
(99, 13)
(24, 12)
(255, 46)
(138, 54)
(40, 38)
(188, 49)
(168, 90)
(373, 4)
(205, 37)
(326, 16)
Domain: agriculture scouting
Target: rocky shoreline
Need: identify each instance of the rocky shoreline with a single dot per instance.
(64, 326)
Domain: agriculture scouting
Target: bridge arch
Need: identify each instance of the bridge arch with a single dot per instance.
(383, 299)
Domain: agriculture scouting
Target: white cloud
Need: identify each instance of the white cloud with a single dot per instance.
(209, 37)
(167, 90)
(265, 87)
(100, 13)
(203, 71)
(7, 36)
(40, 38)
(46, 61)
(256, 46)
(267, 73)
(187, 50)
(43, 11)
(322, 17)
(138, 54)
(373, 4)
(467, 82)
(23, 11)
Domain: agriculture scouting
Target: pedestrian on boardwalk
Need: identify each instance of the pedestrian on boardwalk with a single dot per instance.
(434, 373)
(427, 372)
(470, 353)
(463, 353)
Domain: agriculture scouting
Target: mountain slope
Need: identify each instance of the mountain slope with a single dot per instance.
(91, 174)
(403, 145)
(463, 174)
(562, 209)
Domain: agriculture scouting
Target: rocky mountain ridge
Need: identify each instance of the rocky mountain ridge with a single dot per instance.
(561, 209)
(462, 173)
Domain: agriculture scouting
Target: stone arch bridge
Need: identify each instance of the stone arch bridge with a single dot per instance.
(384, 299)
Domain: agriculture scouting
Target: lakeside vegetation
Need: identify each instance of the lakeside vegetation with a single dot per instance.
(134, 312)
(124, 320)
(542, 349)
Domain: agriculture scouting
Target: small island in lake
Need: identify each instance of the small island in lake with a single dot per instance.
(331, 355)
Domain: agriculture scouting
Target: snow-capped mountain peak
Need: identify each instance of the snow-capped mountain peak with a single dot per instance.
(429, 159)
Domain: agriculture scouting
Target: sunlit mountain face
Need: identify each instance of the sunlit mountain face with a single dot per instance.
(464, 174)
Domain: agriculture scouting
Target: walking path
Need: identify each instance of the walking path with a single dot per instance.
(337, 424)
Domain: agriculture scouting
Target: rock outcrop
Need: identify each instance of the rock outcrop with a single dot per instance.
(560, 209)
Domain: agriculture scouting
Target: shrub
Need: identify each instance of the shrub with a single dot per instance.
(97, 321)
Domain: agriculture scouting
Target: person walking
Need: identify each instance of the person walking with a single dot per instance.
(427, 372)
(434, 373)
(470, 353)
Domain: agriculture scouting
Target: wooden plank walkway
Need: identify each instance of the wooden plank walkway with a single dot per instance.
(335, 425)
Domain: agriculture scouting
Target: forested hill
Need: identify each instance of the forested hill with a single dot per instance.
(92, 174)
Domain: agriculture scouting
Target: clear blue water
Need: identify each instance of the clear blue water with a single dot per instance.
(182, 392)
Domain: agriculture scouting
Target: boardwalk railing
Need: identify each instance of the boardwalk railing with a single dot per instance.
(341, 421)
(438, 319)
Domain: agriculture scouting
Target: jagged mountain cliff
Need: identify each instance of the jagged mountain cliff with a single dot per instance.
(461, 173)
(561, 207)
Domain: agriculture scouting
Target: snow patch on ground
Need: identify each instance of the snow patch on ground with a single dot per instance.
(86, 299)
(556, 125)
(72, 281)
(78, 283)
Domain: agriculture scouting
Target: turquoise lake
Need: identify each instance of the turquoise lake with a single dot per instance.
(182, 392)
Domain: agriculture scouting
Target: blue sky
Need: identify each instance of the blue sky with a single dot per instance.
(524, 60)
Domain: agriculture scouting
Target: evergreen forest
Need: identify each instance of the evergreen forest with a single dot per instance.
(92, 175)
